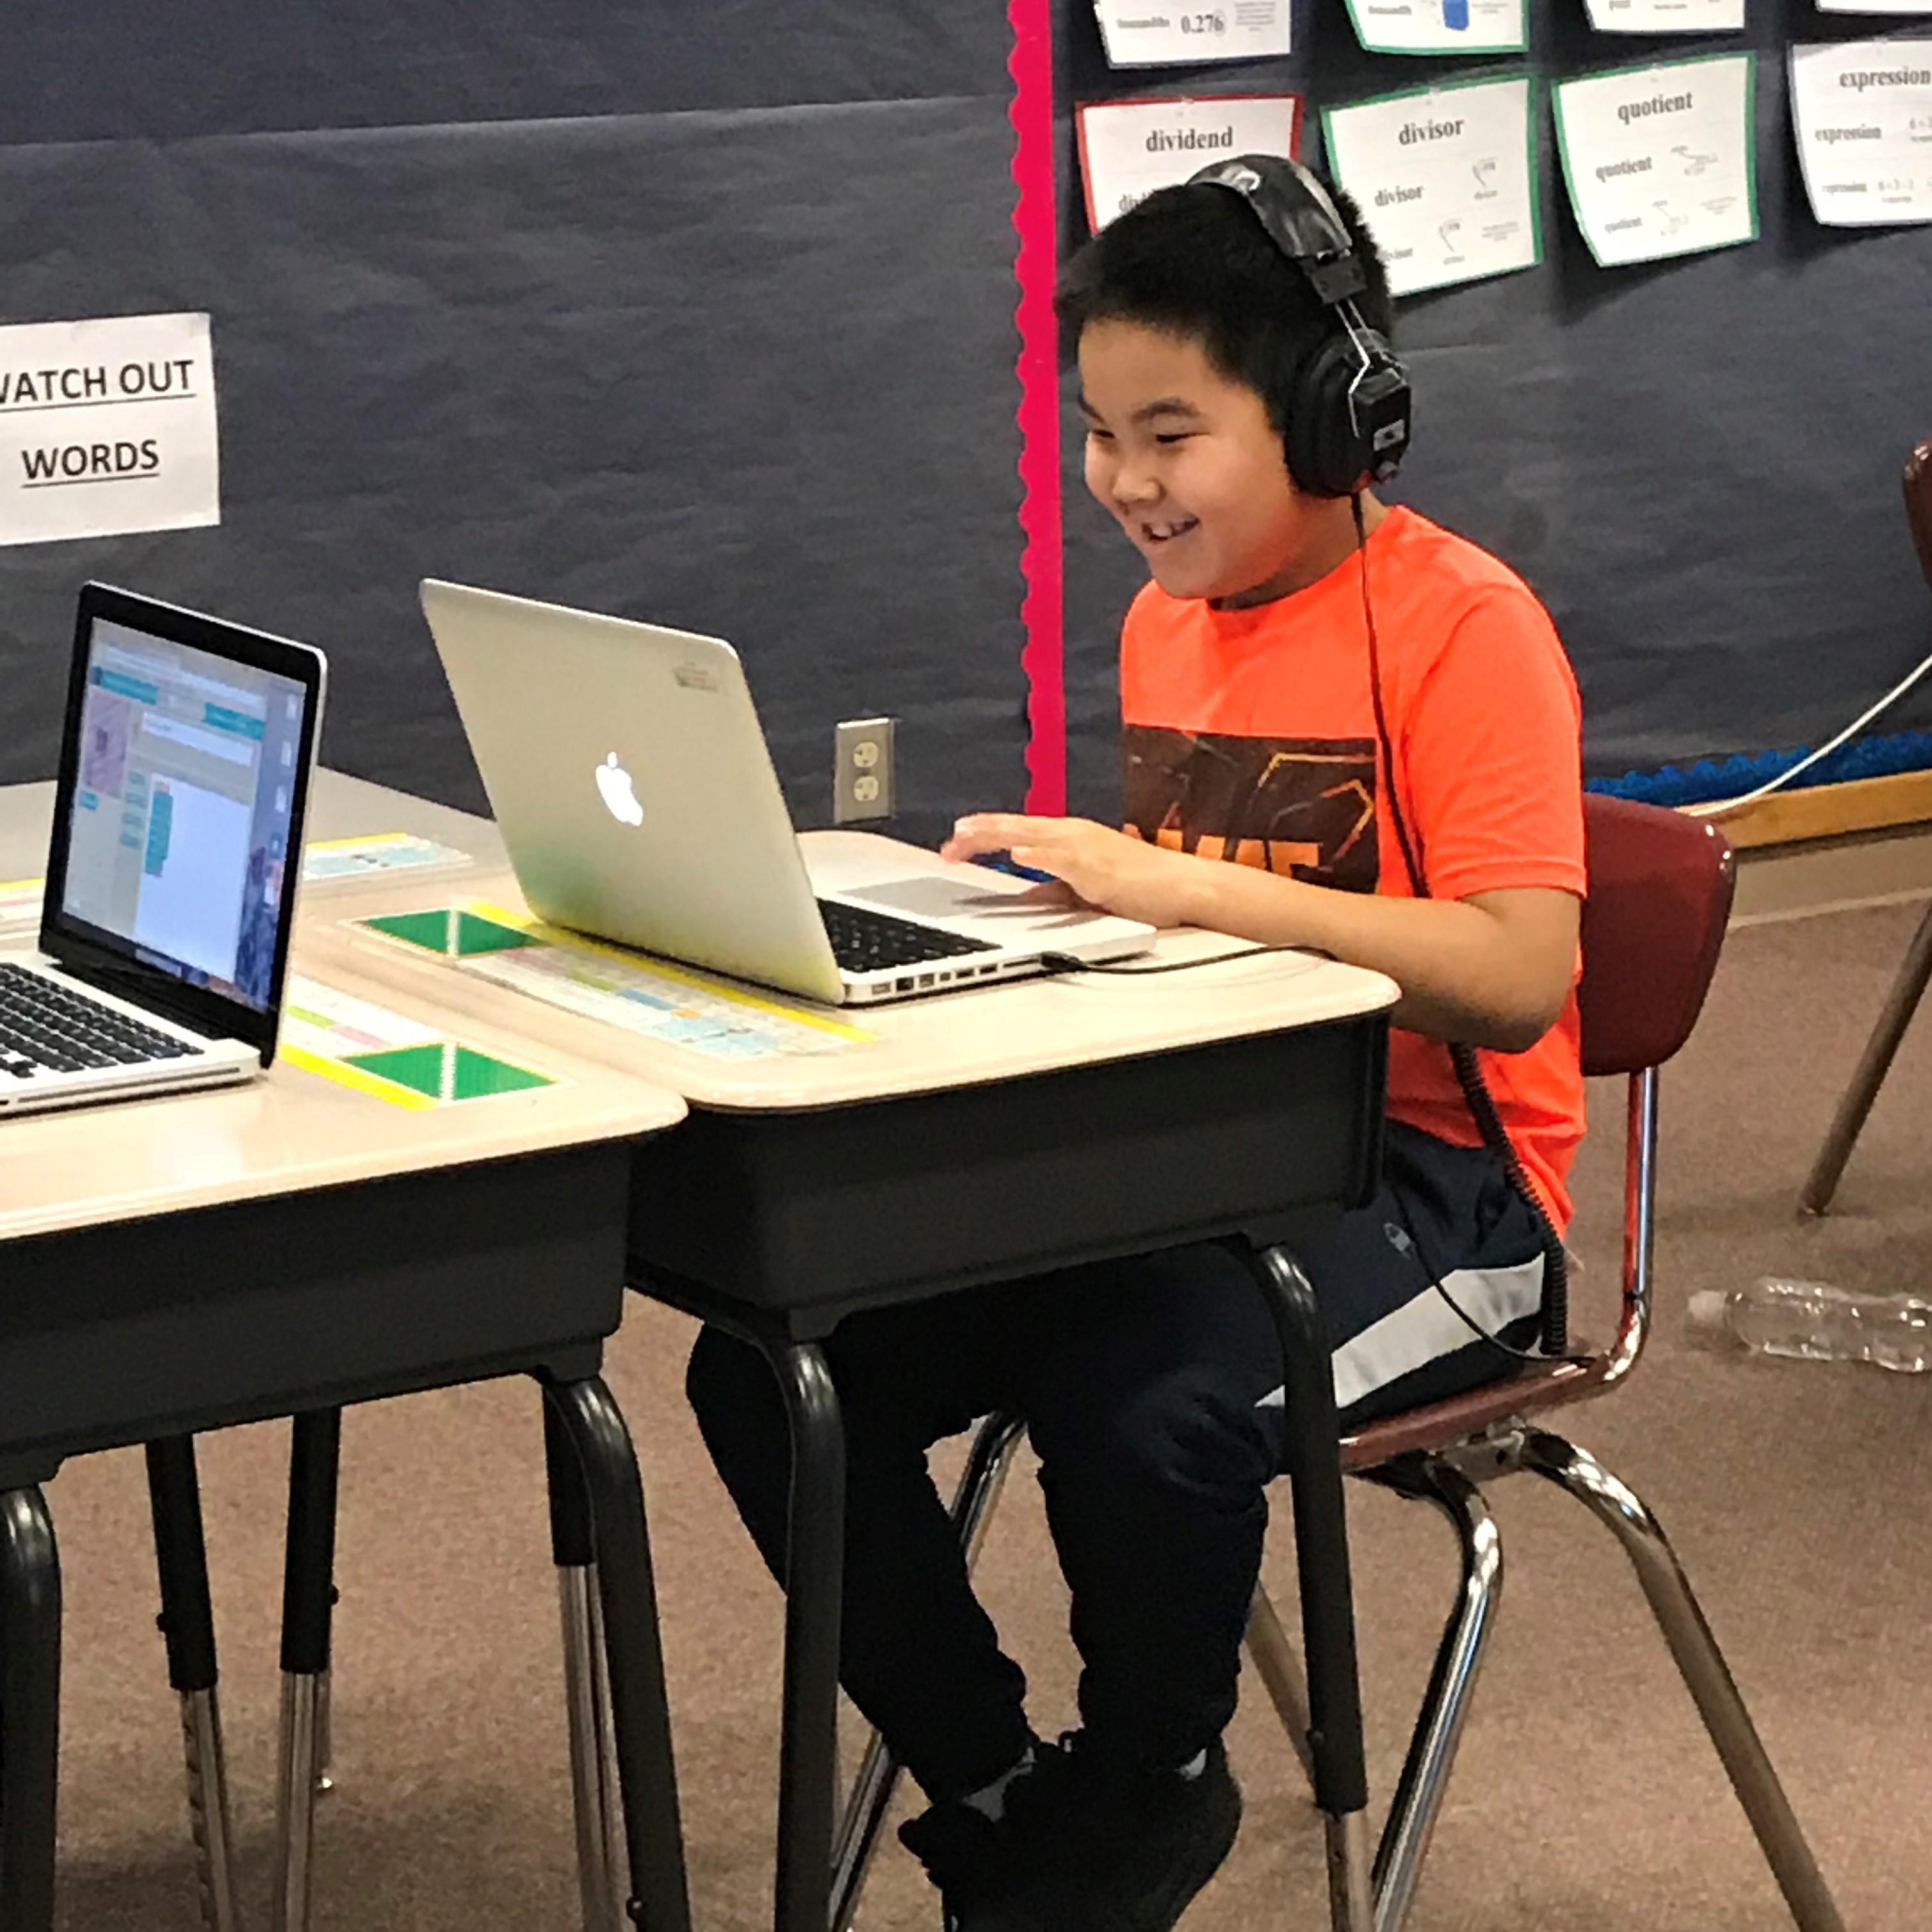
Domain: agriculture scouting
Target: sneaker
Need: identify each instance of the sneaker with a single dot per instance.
(969, 1859)
(1097, 1847)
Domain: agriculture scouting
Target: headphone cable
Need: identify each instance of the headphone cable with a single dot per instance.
(1067, 962)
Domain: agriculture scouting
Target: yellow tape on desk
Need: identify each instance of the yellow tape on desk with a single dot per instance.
(722, 989)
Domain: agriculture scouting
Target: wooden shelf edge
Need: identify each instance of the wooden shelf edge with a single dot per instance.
(1831, 810)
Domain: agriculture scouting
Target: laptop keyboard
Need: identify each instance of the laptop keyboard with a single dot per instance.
(44, 1027)
(865, 941)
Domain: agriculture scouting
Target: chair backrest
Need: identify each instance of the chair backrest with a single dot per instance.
(1660, 889)
(1919, 503)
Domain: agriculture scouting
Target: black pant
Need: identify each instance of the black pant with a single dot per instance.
(1149, 1387)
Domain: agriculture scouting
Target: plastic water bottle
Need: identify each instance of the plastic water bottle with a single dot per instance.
(1816, 1322)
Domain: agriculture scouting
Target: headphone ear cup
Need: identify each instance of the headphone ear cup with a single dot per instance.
(1325, 456)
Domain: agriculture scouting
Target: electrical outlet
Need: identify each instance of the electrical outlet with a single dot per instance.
(861, 770)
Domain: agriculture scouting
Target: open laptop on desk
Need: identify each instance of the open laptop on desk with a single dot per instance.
(175, 859)
(626, 768)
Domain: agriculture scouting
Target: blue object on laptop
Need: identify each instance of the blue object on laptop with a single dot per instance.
(1005, 862)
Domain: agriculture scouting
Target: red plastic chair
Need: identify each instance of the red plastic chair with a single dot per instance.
(1660, 890)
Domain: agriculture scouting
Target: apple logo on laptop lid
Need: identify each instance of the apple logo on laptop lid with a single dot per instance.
(613, 784)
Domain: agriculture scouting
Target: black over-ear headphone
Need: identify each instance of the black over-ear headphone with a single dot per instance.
(1348, 419)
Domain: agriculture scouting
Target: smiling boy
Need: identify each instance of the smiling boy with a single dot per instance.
(1345, 729)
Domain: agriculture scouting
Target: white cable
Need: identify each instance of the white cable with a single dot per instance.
(1714, 808)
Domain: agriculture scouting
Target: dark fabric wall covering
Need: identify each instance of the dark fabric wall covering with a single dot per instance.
(115, 70)
(1697, 463)
(748, 371)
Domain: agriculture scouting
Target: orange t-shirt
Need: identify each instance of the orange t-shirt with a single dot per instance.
(1250, 735)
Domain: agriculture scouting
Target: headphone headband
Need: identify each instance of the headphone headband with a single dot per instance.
(1304, 223)
(1349, 419)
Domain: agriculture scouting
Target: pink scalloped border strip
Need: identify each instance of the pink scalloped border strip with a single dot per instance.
(1041, 610)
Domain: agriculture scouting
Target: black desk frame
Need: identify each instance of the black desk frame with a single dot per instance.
(778, 1225)
(147, 1330)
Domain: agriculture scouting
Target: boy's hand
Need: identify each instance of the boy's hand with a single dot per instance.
(1111, 870)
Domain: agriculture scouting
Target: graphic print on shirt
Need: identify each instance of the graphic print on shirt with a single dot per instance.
(1302, 807)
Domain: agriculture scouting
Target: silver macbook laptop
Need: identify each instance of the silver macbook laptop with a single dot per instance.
(176, 858)
(627, 770)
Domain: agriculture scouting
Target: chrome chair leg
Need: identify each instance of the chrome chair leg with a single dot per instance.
(1704, 1671)
(1438, 1729)
(859, 1825)
(871, 1796)
(1274, 1656)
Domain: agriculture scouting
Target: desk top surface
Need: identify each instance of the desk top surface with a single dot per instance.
(954, 1039)
(294, 1128)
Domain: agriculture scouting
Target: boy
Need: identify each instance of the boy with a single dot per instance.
(1375, 720)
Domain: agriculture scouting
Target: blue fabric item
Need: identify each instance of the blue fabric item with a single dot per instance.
(1727, 778)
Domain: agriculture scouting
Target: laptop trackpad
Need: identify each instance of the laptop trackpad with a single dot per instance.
(932, 897)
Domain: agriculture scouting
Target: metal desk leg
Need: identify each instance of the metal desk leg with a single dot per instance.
(30, 1658)
(814, 1591)
(308, 1595)
(594, 1785)
(647, 1780)
(1313, 1459)
(1873, 1064)
(188, 1627)
(325, 1736)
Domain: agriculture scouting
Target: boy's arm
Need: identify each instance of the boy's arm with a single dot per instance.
(1493, 969)
(1488, 751)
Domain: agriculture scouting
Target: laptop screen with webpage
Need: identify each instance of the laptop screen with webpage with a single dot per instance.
(188, 780)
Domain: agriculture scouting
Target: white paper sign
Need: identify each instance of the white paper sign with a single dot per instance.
(1440, 26)
(1666, 16)
(1661, 160)
(1128, 148)
(1156, 33)
(1863, 113)
(1446, 178)
(1875, 6)
(106, 427)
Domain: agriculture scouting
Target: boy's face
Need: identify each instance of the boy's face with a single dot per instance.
(1188, 462)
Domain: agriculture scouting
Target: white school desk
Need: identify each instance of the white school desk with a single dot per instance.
(976, 1136)
(283, 1248)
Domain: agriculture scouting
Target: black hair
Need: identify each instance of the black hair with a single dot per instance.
(1192, 260)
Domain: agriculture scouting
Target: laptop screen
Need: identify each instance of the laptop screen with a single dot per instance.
(177, 844)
